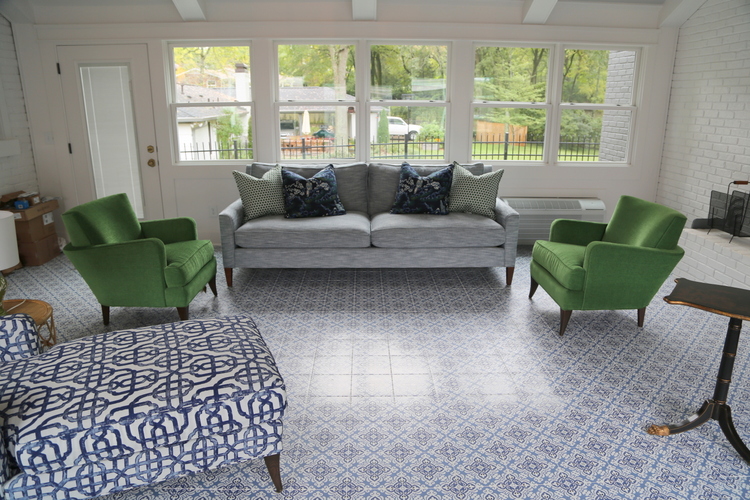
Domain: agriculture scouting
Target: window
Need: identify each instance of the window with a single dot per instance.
(316, 101)
(407, 101)
(212, 103)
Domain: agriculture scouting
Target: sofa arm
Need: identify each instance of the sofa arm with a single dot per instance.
(576, 232)
(230, 220)
(171, 230)
(507, 217)
(18, 337)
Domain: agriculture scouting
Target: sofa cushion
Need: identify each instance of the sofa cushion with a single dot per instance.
(261, 196)
(351, 180)
(351, 230)
(185, 259)
(317, 196)
(18, 338)
(476, 194)
(455, 230)
(115, 396)
(383, 180)
(418, 194)
(563, 261)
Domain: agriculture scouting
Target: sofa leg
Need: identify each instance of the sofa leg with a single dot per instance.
(509, 275)
(228, 275)
(274, 470)
(534, 286)
(183, 313)
(564, 318)
(641, 316)
(105, 314)
(212, 284)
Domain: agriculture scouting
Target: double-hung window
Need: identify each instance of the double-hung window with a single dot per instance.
(211, 102)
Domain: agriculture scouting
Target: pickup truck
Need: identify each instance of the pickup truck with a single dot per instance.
(397, 126)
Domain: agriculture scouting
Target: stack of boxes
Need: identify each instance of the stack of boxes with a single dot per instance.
(35, 227)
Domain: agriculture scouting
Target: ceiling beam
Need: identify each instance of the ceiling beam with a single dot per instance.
(191, 10)
(537, 11)
(676, 12)
(364, 10)
(18, 11)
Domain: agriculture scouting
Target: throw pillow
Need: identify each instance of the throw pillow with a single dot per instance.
(18, 337)
(262, 196)
(423, 195)
(474, 193)
(317, 196)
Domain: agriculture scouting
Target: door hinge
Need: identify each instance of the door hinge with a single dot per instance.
(58, 69)
(70, 148)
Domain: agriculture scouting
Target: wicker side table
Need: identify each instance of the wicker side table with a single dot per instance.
(40, 312)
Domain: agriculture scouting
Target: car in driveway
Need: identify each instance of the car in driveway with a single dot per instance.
(397, 126)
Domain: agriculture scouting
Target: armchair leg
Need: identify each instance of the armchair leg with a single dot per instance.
(105, 314)
(212, 284)
(509, 275)
(228, 275)
(641, 316)
(564, 318)
(183, 313)
(534, 286)
(274, 470)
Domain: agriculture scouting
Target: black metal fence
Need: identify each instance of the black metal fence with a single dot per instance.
(235, 150)
(501, 147)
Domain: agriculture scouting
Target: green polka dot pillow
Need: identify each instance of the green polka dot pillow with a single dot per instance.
(474, 193)
(264, 196)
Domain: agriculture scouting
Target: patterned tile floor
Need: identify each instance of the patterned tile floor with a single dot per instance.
(445, 383)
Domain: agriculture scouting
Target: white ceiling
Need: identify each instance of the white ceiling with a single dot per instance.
(606, 13)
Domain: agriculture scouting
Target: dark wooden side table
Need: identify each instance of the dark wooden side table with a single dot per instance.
(727, 301)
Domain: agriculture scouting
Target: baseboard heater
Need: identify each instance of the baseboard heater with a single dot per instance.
(537, 214)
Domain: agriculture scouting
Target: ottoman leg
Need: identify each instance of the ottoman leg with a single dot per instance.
(274, 470)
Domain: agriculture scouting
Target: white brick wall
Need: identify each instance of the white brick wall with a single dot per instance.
(17, 173)
(707, 141)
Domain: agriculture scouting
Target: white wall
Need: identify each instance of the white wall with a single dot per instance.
(707, 142)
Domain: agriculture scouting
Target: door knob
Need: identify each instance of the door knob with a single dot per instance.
(151, 163)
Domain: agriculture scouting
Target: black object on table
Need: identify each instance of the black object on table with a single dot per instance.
(727, 301)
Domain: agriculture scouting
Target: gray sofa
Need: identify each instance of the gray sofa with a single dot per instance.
(368, 236)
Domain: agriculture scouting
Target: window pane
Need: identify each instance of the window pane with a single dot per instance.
(406, 132)
(598, 76)
(512, 74)
(508, 134)
(317, 132)
(408, 72)
(316, 72)
(594, 135)
(212, 74)
(214, 133)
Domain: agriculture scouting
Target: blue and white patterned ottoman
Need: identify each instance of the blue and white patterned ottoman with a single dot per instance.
(131, 407)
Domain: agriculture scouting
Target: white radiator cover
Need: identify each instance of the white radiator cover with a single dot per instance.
(537, 214)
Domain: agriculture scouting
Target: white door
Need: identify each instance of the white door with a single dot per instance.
(107, 92)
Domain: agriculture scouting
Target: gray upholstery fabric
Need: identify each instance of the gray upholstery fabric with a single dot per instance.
(455, 230)
(351, 180)
(383, 182)
(274, 231)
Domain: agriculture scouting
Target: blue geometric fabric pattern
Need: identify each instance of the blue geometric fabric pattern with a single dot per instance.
(18, 337)
(317, 196)
(423, 195)
(131, 407)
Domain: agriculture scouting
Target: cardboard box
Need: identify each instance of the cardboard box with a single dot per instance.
(36, 229)
(39, 252)
(35, 211)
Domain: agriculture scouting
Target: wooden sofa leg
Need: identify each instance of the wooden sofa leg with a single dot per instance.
(641, 316)
(564, 318)
(212, 284)
(228, 275)
(534, 286)
(183, 313)
(274, 470)
(509, 275)
(105, 314)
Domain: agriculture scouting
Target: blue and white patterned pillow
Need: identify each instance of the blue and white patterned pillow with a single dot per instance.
(18, 337)
(317, 196)
(423, 195)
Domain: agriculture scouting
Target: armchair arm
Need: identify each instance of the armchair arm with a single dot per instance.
(576, 232)
(170, 230)
(507, 217)
(623, 276)
(230, 219)
(123, 274)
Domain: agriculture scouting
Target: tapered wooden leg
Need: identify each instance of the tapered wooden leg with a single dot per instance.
(212, 284)
(509, 275)
(105, 314)
(183, 313)
(564, 318)
(274, 470)
(534, 286)
(641, 316)
(228, 275)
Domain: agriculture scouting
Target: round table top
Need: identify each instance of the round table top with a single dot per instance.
(39, 310)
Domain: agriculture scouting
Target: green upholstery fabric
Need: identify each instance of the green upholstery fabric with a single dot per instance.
(128, 263)
(619, 265)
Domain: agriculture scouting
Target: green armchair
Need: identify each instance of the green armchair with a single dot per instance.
(128, 263)
(619, 265)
